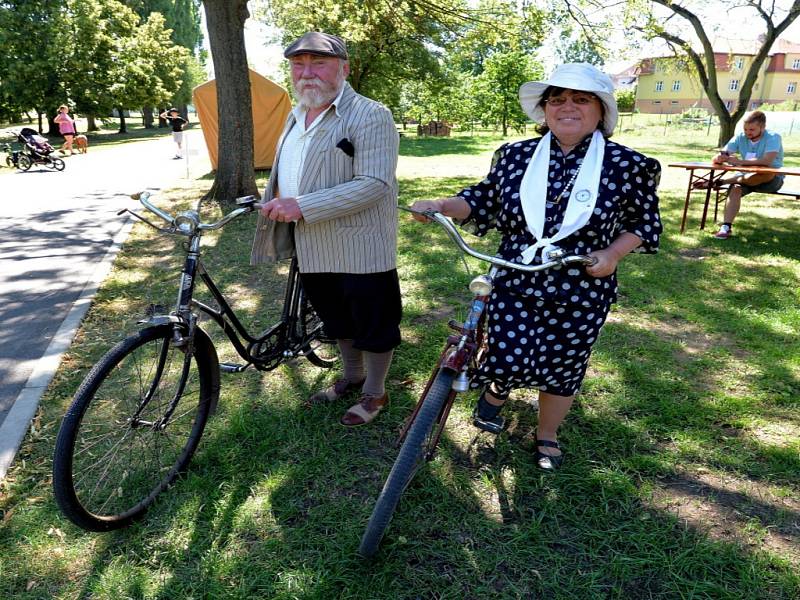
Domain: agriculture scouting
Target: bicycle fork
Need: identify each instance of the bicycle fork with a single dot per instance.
(457, 356)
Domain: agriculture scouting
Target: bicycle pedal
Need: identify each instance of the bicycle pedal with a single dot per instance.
(232, 367)
(493, 426)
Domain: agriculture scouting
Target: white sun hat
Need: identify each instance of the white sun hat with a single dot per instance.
(572, 76)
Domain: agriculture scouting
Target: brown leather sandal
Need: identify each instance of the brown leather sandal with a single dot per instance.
(365, 411)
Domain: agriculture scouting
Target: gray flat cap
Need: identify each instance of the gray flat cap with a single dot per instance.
(316, 42)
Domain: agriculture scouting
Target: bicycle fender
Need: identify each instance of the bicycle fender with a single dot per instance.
(162, 320)
(203, 343)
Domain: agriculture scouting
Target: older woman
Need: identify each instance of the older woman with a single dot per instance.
(571, 189)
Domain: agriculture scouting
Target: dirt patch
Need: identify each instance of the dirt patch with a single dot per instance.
(695, 253)
(727, 508)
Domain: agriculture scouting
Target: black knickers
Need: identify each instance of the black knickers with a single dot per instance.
(363, 307)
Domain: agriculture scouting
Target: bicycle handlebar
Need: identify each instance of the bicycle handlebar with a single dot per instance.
(249, 202)
(554, 258)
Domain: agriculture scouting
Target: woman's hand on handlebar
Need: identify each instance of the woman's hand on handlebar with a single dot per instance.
(605, 263)
(454, 207)
(607, 259)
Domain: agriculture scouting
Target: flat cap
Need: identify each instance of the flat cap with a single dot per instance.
(316, 42)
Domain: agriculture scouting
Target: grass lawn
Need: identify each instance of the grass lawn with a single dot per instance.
(683, 448)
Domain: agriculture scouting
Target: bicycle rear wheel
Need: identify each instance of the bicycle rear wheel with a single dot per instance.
(132, 427)
(411, 456)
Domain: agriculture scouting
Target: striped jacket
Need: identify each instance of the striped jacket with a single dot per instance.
(349, 203)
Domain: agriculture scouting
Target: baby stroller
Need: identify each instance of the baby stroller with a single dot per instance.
(36, 151)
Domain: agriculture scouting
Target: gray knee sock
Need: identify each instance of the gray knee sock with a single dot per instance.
(352, 360)
(377, 364)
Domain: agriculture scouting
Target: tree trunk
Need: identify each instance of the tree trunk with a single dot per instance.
(52, 126)
(235, 174)
(123, 128)
(727, 127)
(91, 124)
(147, 117)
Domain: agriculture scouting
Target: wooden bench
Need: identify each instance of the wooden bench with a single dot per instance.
(722, 196)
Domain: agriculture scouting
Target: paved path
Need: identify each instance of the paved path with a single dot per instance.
(60, 235)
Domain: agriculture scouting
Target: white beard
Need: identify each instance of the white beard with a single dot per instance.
(322, 95)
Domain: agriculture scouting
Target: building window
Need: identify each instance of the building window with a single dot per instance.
(729, 104)
(734, 85)
(676, 85)
(791, 87)
(738, 63)
(674, 102)
(796, 64)
(656, 101)
(659, 86)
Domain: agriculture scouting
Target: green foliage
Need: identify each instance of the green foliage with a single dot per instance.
(786, 105)
(625, 99)
(580, 50)
(31, 36)
(93, 54)
(497, 88)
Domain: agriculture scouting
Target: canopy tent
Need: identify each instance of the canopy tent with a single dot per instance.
(271, 105)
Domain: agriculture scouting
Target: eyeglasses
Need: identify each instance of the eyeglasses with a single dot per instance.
(579, 99)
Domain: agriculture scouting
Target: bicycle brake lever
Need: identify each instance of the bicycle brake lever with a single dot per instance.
(141, 218)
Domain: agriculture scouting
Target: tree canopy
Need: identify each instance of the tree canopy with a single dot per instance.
(94, 55)
(688, 27)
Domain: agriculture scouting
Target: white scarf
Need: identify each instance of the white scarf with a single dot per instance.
(582, 197)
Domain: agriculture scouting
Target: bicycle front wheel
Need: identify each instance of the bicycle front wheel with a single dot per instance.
(132, 427)
(411, 455)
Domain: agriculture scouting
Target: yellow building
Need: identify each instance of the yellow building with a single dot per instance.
(664, 87)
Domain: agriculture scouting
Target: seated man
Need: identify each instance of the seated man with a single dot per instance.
(757, 147)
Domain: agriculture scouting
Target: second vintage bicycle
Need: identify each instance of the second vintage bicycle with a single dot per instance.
(462, 356)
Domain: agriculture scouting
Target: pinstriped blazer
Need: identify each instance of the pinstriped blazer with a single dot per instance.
(349, 204)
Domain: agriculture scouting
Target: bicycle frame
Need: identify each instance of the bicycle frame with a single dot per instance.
(461, 352)
(265, 352)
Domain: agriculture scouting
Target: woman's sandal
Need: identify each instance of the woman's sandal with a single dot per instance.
(493, 425)
(548, 462)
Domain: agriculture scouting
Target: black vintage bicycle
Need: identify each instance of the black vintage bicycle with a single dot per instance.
(463, 354)
(138, 416)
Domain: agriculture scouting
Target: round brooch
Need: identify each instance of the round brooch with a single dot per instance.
(583, 195)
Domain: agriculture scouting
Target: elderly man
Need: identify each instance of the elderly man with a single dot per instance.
(334, 180)
(757, 147)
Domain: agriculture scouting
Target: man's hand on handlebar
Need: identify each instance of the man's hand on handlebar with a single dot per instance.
(284, 210)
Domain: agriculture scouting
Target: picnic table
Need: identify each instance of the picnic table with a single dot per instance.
(704, 178)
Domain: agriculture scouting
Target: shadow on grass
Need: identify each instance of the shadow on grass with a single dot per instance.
(278, 495)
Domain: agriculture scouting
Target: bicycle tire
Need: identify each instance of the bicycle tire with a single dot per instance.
(113, 456)
(10, 162)
(24, 163)
(405, 466)
(319, 351)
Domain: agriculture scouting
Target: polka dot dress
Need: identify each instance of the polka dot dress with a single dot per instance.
(542, 326)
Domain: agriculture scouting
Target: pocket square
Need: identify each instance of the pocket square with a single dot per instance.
(346, 146)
